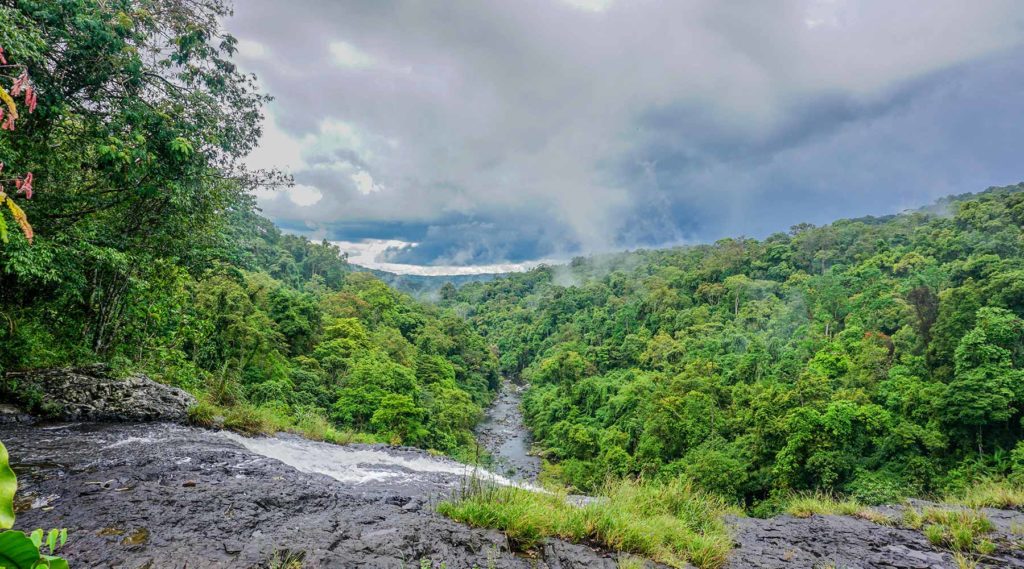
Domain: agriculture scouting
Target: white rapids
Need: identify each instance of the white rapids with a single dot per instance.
(363, 465)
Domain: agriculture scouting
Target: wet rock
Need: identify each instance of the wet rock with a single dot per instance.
(92, 394)
(848, 542)
(124, 493)
(123, 500)
(505, 437)
(14, 414)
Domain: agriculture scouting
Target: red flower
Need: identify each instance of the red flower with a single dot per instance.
(3, 59)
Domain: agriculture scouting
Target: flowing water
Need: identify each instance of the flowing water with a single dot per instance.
(368, 465)
(505, 437)
(161, 495)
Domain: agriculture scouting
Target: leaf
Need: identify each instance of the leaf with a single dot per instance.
(12, 108)
(51, 540)
(8, 486)
(55, 562)
(182, 147)
(17, 551)
(63, 536)
(37, 538)
(21, 218)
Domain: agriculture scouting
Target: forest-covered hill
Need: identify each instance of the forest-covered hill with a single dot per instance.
(149, 252)
(876, 356)
(881, 357)
(427, 287)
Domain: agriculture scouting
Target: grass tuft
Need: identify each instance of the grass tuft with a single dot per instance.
(959, 530)
(990, 493)
(668, 522)
(250, 420)
(807, 505)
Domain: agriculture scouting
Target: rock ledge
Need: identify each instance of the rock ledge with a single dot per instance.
(92, 394)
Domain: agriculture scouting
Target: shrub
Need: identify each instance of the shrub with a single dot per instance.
(877, 488)
(248, 420)
(204, 414)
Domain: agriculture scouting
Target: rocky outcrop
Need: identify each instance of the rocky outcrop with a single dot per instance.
(92, 394)
(831, 541)
(854, 543)
(157, 495)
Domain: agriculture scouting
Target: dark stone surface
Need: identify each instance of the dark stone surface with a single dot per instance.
(160, 495)
(854, 543)
(167, 496)
(818, 541)
(92, 394)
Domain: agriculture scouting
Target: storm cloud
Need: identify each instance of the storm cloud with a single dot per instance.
(504, 132)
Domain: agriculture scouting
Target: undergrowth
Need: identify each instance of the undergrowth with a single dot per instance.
(251, 420)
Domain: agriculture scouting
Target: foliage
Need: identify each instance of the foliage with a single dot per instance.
(668, 522)
(878, 357)
(150, 253)
(17, 550)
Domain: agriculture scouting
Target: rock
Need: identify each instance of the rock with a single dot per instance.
(124, 493)
(849, 542)
(92, 394)
(14, 414)
(244, 509)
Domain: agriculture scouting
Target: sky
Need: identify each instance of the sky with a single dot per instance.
(439, 137)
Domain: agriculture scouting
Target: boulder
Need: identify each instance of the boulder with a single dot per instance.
(92, 394)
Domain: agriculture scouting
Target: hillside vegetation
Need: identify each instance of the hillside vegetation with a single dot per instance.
(149, 252)
(877, 357)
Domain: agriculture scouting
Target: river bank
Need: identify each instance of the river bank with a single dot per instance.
(158, 495)
(154, 496)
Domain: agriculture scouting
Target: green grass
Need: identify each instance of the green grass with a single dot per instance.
(958, 530)
(251, 420)
(668, 522)
(285, 560)
(631, 562)
(807, 505)
(990, 493)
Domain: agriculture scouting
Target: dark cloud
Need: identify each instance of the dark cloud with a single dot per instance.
(494, 132)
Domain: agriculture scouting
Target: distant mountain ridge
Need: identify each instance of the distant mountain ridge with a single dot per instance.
(424, 285)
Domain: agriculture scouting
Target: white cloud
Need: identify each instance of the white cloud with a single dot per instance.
(304, 196)
(590, 5)
(251, 49)
(364, 182)
(277, 148)
(348, 55)
(366, 253)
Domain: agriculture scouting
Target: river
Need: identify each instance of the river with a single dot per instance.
(505, 436)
